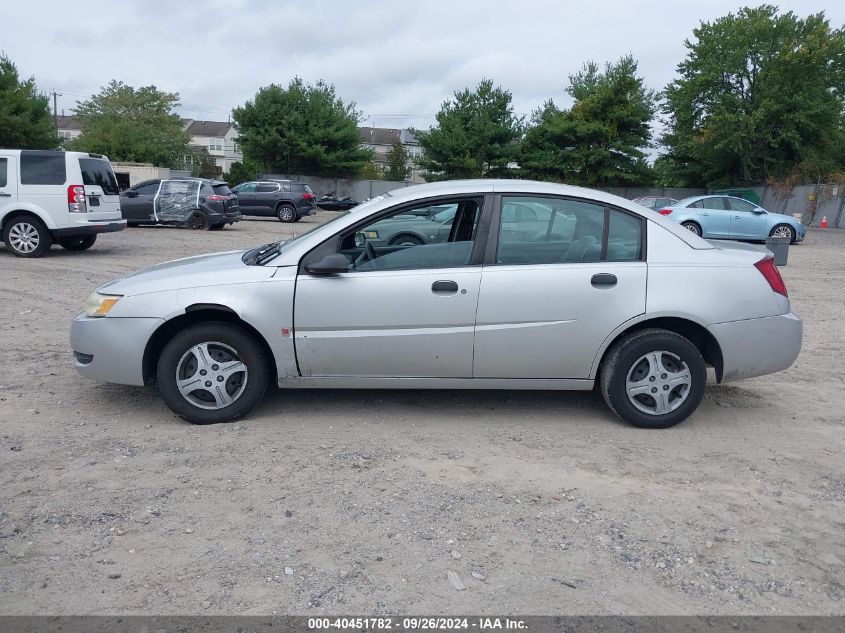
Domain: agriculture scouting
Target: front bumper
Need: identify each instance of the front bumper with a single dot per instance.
(755, 347)
(111, 349)
(90, 228)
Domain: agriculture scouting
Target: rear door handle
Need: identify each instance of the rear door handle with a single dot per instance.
(603, 279)
(445, 287)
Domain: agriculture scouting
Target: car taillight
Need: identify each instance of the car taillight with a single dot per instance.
(76, 199)
(216, 198)
(665, 211)
(308, 196)
(767, 268)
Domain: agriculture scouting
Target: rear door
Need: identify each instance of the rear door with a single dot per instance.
(715, 216)
(136, 203)
(745, 223)
(101, 190)
(549, 299)
(8, 183)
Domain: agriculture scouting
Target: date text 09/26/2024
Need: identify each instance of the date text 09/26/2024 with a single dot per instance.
(416, 623)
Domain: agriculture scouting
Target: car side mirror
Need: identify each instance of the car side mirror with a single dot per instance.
(759, 210)
(328, 265)
(131, 194)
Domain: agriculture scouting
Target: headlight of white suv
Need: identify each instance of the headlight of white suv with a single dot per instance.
(98, 305)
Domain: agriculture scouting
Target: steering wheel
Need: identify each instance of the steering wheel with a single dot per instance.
(367, 255)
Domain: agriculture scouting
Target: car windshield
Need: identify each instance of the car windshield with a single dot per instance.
(261, 255)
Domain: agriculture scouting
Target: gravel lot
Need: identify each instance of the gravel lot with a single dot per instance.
(362, 502)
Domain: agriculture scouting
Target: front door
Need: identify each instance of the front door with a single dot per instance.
(746, 222)
(246, 197)
(553, 294)
(401, 310)
(265, 197)
(136, 203)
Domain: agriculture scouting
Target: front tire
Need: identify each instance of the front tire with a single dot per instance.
(26, 236)
(653, 379)
(286, 213)
(783, 230)
(82, 243)
(692, 227)
(212, 372)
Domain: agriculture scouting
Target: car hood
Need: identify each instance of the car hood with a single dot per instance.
(191, 272)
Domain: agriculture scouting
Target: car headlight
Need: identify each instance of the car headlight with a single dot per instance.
(98, 305)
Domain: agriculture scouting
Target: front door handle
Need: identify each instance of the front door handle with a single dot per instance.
(445, 287)
(603, 279)
(3, 194)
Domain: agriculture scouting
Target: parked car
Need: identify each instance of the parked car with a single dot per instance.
(622, 299)
(654, 202)
(726, 217)
(330, 202)
(195, 203)
(286, 200)
(49, 197)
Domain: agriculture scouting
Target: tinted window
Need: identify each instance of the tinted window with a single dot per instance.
(624, 236)
(404, 240)
(43, 168)
(301, 188)
(559, 231)
(741, 205)
(222, 189)
(717, 204)
(98, 173)
(3, 171)
(266, 187)
(148, 189)
(247, 187)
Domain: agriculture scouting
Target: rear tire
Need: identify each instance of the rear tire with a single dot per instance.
(82, 243)
(198, 221)
(26, 236)
(783, 230)
(692, 227)
(286, 213)
(653, 379)
(243, 382)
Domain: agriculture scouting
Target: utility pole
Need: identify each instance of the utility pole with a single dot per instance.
(56, 95)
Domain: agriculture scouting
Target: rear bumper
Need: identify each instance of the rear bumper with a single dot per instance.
(755, 347)
(111, 349)
(90, 228)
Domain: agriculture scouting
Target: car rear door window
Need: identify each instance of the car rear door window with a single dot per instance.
(97, 172)
(267, 187)
(3, 171)
(624, 237)
(43, 168)
(715, 204)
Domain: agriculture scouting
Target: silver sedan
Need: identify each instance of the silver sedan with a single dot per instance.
(534, 286)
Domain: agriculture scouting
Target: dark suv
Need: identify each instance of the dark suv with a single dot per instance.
(286, 200)
(196, 203)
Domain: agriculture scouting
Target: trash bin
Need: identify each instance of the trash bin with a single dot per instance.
(780, 249)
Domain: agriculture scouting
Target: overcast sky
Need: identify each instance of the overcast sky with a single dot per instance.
(398, 60)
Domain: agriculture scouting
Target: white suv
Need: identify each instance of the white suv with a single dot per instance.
(52, 196)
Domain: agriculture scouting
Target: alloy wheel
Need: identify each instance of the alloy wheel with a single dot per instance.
(211, 375)
(24, 237)
(658, 383)
(782, 231)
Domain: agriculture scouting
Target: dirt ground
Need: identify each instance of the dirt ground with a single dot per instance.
(361, 502)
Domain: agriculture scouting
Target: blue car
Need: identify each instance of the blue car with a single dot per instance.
(732, 218)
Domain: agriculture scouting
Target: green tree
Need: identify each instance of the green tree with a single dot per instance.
(477, 135)
(25, 119)
(370, 171)
(396, 164)
(301, 129)
(759, 95)
(133, 125)
(601, 140)
(241, 172)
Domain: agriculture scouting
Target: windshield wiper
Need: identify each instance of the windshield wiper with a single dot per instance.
(261, 255)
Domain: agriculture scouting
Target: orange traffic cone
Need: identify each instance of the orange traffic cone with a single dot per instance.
(824, 222)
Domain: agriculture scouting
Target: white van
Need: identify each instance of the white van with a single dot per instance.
(52, 196)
